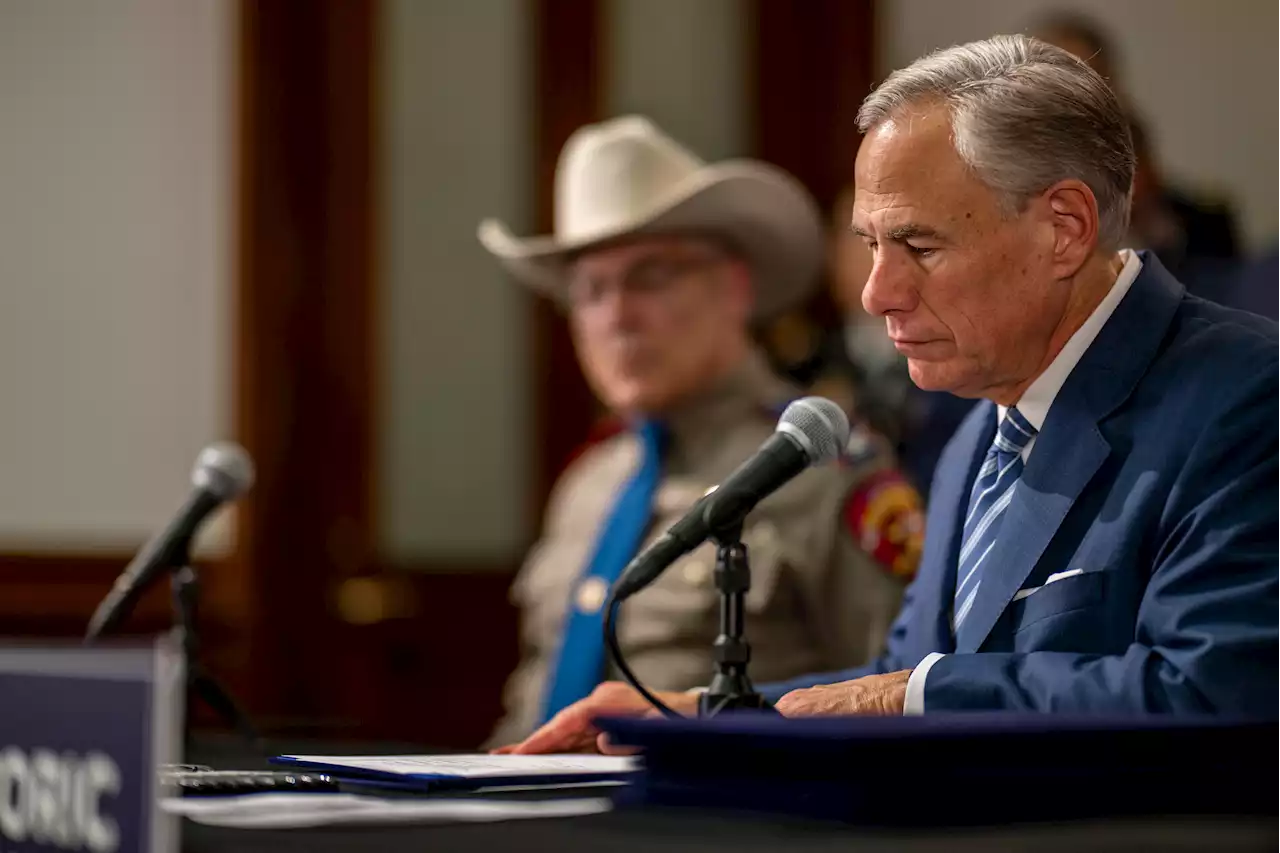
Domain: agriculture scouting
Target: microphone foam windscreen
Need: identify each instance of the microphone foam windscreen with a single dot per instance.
(820, 426)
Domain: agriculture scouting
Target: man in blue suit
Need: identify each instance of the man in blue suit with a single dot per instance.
(1102, 533)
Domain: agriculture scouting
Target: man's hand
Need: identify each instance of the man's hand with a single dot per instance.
(871, 694)
(571, 730)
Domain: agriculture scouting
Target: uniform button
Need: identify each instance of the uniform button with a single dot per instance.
(591, 594)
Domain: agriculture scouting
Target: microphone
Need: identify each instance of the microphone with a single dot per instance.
(223, 471)
(811, 431)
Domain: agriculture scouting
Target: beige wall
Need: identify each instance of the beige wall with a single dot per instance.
(683, 64)
(115, 230)
(1204, 73)
(453, 464)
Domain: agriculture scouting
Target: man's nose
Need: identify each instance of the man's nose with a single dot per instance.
(889, 288)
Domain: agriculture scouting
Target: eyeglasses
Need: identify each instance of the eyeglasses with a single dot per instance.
(646, 277)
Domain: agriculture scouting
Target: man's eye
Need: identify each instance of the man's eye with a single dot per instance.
(920, 251)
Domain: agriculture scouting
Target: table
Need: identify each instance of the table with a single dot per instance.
(676, 831)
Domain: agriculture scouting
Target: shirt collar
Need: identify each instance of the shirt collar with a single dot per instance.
(1036, 400)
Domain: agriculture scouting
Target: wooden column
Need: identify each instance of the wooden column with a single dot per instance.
(814, 63)
(304, 372)
(567, 74)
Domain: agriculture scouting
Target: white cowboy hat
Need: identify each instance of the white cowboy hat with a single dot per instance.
(624, 177)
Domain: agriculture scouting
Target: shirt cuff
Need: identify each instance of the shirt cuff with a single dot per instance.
(914, 703)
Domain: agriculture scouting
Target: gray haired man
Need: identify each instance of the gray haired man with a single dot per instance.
(1102, 527)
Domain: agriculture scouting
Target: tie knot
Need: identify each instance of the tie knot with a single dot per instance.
(1015, 433)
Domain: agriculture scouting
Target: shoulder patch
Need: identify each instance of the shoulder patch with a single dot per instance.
(885, 516)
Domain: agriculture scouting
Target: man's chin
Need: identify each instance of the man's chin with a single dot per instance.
(933, 376)
(638, 400)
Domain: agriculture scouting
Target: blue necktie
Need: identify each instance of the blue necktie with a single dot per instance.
(992, 491)
(580, 664)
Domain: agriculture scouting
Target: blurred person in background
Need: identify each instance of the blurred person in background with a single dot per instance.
(1195, 238)
(662, 263)
(1193, 235)
(1084, 38)
(1256, 286)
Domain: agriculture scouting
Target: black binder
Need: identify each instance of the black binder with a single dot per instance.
(960, 769)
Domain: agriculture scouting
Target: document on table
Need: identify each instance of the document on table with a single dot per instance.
(292, 811)
(469, 771)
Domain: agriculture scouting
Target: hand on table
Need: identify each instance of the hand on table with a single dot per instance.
(872, 694)
(571, 730)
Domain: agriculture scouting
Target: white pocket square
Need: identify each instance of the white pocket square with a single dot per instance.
(1070, 573)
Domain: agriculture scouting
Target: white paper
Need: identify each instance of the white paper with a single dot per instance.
(292, 810)
(480, 766)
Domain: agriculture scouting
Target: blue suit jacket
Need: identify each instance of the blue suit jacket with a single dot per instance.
(1155, 473)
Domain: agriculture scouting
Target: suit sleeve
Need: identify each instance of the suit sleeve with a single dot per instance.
(1206, 638)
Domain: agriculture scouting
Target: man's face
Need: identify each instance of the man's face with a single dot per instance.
(969, 295)
(654, 320)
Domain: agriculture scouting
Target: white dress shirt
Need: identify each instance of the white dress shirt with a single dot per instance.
(1034, 406)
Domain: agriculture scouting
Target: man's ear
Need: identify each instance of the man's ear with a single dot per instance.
(1073, 211)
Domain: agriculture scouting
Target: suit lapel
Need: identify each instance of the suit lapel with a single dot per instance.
(1063, 461)
(1070, 447)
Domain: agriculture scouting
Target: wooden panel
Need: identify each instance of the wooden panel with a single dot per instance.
(304, 361)
(814, 64)
(567, 93)
(430, 666)
(54, 594)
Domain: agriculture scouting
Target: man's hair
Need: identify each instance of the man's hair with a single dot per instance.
(1024, 115)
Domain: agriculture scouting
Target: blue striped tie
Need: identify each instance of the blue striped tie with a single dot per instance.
(580, 665)
(992, 492)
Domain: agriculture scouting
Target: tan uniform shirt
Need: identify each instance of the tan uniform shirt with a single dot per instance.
(818, 600)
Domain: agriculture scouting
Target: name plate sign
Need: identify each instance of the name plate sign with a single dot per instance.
(82, 731)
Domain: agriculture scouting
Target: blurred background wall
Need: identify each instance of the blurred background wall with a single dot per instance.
(116, 285)
(257, 220)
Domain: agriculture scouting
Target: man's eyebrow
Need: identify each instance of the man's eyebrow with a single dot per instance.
(902, 232)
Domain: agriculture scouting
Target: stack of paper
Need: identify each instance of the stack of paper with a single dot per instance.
(469, 772)
(290, 811)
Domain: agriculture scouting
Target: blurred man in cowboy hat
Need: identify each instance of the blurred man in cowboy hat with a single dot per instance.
(663, 263)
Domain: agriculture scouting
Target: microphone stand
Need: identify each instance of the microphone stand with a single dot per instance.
(185, 587)
(731, 688)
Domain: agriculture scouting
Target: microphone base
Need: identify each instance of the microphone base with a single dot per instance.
(715, 701)
(731, 688)
(200, 682)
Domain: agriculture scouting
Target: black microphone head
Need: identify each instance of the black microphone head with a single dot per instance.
(223, 469)
(819, 426)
